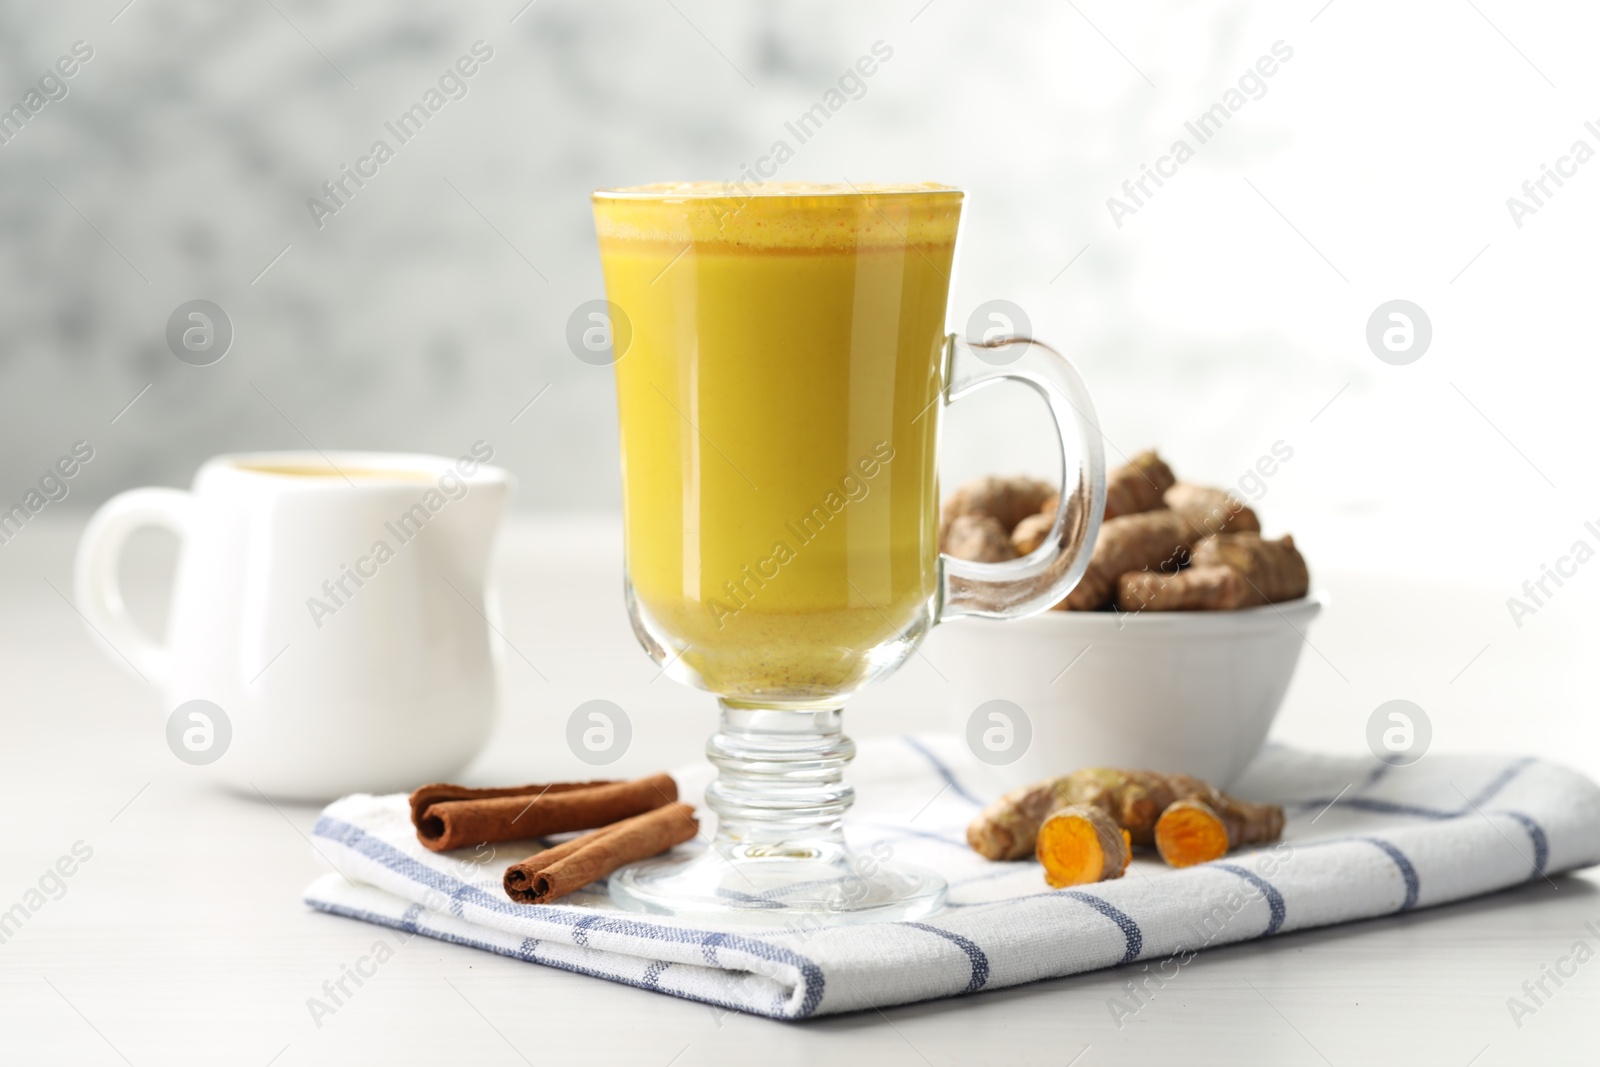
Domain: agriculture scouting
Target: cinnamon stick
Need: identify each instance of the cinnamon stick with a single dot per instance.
(427, 795)
(468, 817)
(555, 872)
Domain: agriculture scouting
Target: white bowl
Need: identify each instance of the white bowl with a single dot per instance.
(1190, 692)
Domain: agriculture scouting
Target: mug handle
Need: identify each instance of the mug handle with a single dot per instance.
(97, 571)
(1042, 578)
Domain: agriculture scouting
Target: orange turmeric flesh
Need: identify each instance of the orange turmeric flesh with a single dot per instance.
(1081, 844)
(1189, 832)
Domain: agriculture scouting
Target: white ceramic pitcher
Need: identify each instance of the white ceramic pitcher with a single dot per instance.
(334, 608)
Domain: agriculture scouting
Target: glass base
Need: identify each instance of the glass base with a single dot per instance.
(797, 893)
(779, 858)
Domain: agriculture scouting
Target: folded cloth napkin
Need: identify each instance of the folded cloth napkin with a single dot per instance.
(1363, 839)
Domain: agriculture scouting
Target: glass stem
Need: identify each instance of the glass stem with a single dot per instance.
(780, 789)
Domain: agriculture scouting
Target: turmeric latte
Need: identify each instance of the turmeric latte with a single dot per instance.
(778, 407)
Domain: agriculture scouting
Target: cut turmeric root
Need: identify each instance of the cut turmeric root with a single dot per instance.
(1082, 826)
(1200, 829)
(1081, 844)
(1008, 829)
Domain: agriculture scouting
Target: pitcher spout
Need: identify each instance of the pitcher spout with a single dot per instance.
(470, 521)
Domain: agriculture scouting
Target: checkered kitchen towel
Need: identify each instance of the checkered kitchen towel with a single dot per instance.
(1363, 840)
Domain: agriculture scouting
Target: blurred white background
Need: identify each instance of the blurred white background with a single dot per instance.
(1227, 314)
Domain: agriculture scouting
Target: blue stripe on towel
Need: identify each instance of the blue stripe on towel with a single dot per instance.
(652, 974)
(746, 900)
(580, 931)
(944, 772)
(1498, 782)
(1541, 843)
(379, 851)
(708, 948)
(975, 955)
(1488, 792)
(1275, 903)
(1379, 773)
(1407, 871)
(1380, 807)
(521, 952)
(1130, 929)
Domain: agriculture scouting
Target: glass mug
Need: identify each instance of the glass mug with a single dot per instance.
(782, 371)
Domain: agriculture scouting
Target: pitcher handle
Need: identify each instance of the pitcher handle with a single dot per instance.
(97, 573)
(1044, 576)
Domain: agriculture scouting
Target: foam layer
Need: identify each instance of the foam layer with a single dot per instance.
(779, 215)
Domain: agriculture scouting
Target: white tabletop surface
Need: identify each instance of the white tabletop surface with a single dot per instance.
(183, 938)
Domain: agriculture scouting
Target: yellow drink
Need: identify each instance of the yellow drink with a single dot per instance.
(778, 405)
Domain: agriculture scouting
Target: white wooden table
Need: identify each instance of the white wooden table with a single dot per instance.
(182, 938)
